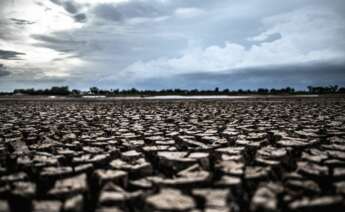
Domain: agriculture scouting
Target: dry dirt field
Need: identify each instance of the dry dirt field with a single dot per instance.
(169, 155)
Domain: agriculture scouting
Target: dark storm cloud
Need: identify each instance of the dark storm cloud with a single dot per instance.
(72, 8)
(10, 55)
(3, 71)
(298, 76)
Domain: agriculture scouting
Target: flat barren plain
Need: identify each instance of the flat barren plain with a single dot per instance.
(280, 154)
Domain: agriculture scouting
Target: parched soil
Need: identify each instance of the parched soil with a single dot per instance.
(156, 155)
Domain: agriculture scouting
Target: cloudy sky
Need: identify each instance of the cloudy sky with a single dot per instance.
(154, 44)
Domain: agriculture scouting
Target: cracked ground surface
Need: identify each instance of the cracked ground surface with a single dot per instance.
(152, 155)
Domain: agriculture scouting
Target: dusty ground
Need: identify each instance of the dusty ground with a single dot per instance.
(155, 155)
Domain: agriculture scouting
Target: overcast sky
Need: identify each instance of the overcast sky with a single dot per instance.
(154, 44)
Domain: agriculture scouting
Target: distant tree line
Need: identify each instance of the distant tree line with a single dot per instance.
(65, 91)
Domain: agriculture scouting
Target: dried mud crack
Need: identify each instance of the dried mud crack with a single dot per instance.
(153, 155)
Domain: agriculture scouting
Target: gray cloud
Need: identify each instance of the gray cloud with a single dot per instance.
(3, 71)
(139, 9)
(4, 3)
(80, 17)
(28, 77)
(21, 21)
(108, 12)
(176, 43)
(69, 6)
(132, 9)
(144, 8)
(62, 43)
(295, 75)
(72, 8)
(6, 30)
(10, 55)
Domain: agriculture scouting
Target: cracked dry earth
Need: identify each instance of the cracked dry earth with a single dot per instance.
(218, 155)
